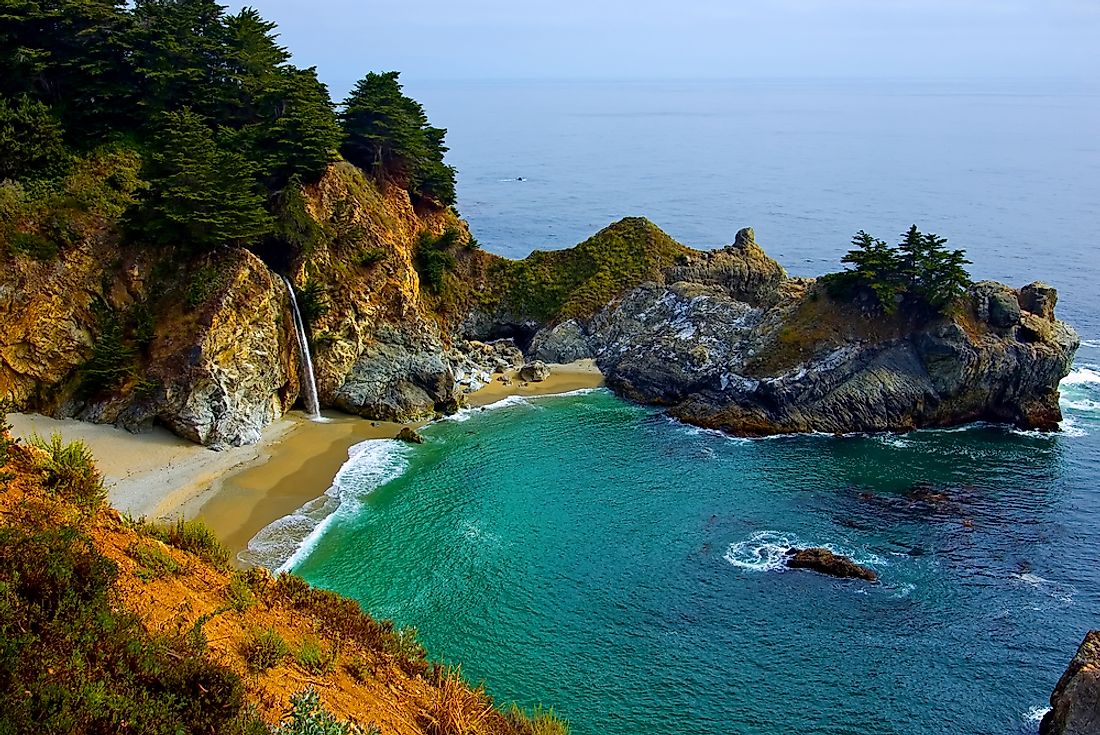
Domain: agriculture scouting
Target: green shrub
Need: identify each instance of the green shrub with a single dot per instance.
(263, 649)
(196, 537)
(370, 256)
(404, 644)
(313, 301)
(153, 563)
(238, 593)
(539, 721)
(113, 361)
(308, 717)
(73, 661)
(314, 659)
(434, 260)
(69, 471)
(33, 245)
(204, 283)
(358, 668)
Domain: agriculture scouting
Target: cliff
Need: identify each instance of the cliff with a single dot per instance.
(1075, 702)
(405, 313)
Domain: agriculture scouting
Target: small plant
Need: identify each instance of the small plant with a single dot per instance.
(112, 360)
(324, 339)
(193, 536)
(238, 593)
(263, 649)
(454, 707)
(33, 245)
(434, 259)
(313, 301)
(539, 721)
(153, 563)
(404, 644)
(70, 472)
(308, 717)
(314, 659)
(370, 256)
(358, 668)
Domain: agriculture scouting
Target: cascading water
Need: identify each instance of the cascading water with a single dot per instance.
(309, 382)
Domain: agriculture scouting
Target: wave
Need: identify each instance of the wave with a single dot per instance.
(1084, 375)
(765, 551)
(1035, 715)
(282, 544)
(464, 414)
(1092, 344)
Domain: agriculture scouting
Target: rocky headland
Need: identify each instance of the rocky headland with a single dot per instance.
(1075, 703)
(406, 314)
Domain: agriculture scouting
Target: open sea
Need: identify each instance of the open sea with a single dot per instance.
(594, 556)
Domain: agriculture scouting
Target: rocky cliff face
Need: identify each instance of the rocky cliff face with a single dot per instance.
(1075, 703)
(727, 341)
(723, 339)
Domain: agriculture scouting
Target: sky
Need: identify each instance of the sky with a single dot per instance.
(690, 39)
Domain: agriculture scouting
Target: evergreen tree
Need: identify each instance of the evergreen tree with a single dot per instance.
(30, 138)
(295, 132)
(388, 134)
(200, 194)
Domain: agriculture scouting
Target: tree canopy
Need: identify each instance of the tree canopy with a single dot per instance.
(920, 269)
(209, 100)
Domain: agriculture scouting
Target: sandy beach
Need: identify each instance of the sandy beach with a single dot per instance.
(239, 491)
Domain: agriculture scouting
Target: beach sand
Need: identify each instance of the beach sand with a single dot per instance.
(308, 458)
(239, 491)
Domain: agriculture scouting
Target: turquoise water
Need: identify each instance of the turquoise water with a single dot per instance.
(591, 554)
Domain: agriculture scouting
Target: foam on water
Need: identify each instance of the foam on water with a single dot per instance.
(465, 414)
(370, 465)
(765, 551)
(1035, 715)
(1084, 375)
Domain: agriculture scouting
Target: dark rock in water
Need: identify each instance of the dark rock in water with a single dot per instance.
(826, 562)
(1075, 703)
(411, 435)
(534, 372)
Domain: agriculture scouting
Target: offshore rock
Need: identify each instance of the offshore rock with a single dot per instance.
(1075, 702)
(410, 435)
(825, 562)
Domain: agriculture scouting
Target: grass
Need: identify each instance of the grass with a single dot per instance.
(538, 721)
(314, 658)
(69, 472)
(263, 649)
(454, 707)
(193, 536)
(153, 563)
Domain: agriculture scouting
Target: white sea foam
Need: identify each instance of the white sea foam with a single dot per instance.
(1057, 591)
(1092, 344)
(465, 414)
(370, 464)
(1035, 715)
(1084, 375)
(765, 551)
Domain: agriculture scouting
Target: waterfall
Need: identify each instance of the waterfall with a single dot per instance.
(309, 382)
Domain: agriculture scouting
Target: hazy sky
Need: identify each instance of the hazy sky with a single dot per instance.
(612, 39)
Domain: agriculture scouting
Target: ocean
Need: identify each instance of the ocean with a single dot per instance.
(594, 556)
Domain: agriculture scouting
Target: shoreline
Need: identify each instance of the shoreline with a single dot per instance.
(242, 490)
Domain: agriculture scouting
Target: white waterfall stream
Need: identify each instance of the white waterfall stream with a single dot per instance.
(309, 382)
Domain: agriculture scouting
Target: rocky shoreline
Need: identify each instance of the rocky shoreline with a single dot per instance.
(721, 339)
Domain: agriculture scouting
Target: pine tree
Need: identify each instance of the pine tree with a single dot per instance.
(200, 195)
(30, 138)
(388, 134)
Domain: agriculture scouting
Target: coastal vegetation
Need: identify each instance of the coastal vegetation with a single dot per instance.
(184, 122)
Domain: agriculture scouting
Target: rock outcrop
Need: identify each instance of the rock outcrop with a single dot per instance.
(727, 341)
(534, 372)
(1075, 703)
(825, 562)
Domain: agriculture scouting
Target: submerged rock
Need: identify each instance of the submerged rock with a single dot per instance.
(1075, 702)
(411, 435)
(826, 562)
(534, 372)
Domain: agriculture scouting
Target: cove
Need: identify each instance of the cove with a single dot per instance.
(591, 554)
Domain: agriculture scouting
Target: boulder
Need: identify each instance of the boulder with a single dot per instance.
(996, 304)
(1075, 702)
(826, 562)
(411, 435)
(534, 372)
(1039, 299)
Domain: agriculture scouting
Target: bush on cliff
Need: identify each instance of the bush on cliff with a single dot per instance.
(920, 270)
